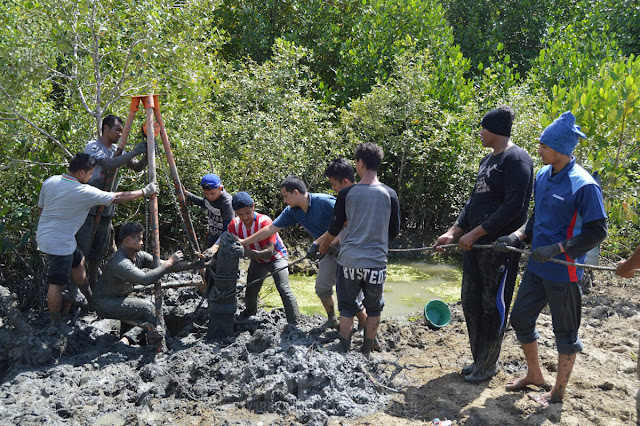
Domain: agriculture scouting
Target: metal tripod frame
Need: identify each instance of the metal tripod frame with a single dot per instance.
(151, 105)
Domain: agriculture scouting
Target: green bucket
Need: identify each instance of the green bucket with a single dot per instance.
(437, 314)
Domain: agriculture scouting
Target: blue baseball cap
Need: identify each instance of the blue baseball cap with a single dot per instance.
(213, 181)
(240, 200)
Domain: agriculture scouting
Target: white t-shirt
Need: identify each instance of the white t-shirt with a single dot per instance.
(65, 203)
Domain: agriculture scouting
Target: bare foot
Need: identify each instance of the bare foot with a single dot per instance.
(546, 398)
(523, 382)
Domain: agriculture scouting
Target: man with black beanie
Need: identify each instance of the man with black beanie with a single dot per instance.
(498, 204)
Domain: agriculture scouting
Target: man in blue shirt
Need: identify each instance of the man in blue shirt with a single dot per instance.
(313, 211)
(568, 220)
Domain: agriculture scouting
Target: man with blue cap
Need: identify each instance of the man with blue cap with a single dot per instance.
(217, 203)
(568, 220)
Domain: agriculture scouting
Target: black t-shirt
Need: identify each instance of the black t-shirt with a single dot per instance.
(500, 198)
(219, 213)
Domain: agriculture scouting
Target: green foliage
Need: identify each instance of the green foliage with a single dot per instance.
(608, 110)
(497, 78)
(383, 31)
(480, 26)
(619, 17)
(572, 54)
(429, 150)
(265, 125)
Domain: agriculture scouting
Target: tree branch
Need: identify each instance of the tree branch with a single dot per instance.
(32, 124)
(95, 55)
(29, 162)
(114, 93)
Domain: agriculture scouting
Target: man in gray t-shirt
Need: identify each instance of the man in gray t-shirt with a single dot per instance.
(103, 150)
(112, 294)
(372, 214)
(64, 203)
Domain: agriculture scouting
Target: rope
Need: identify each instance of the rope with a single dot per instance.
(427, 248)
(242, 287)
(509, 248)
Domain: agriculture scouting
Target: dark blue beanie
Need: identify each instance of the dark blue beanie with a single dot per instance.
(563, 134)
(240, 200)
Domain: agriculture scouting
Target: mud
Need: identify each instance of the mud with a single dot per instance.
(271, 373)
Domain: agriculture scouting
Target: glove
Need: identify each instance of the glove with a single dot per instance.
(505, 241)
(151, 188)
(312, 253)
(141, 148)
(544, 253)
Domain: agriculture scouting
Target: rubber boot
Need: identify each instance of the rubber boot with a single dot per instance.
(345, 344)
(483, 375)
(367, 346)
(468, 369)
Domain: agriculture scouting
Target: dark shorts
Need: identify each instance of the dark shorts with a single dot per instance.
(59, 267)
(565, 303)
(101, 239)
(350, 282)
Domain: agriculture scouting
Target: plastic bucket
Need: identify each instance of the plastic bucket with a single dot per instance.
(437, 314)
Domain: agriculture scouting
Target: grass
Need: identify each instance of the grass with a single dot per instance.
(303, 288)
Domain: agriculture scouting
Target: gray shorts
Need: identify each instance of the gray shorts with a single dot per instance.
(326, 278)
(353, 282)
(129, 308)
(100, 243)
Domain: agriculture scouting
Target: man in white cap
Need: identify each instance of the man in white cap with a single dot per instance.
(568, 220)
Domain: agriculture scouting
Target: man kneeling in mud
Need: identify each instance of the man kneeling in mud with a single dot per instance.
(112, 295)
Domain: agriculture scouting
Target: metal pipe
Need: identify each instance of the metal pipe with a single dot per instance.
(154, 232)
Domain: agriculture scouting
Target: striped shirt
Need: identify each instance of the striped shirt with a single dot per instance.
(237, 227)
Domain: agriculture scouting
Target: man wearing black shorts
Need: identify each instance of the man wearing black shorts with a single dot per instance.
(371, 211)
(64, 202)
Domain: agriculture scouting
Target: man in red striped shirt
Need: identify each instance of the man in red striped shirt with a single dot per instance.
(266, 256)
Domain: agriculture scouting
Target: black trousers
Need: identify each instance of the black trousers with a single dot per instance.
(488, 281)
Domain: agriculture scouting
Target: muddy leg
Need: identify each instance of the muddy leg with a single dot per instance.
(534, 373)
(79, 276)
(565, 366)
(54, 302)
(346, 324)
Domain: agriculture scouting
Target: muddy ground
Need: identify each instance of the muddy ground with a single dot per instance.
(275, 375)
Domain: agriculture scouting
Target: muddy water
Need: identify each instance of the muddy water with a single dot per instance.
(409, 286)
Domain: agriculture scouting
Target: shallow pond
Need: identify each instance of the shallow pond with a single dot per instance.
(409, 286)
